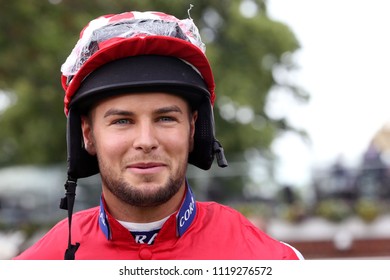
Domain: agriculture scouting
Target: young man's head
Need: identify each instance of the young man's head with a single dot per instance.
(139, 52)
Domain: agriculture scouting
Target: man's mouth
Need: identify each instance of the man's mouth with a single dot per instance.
(146, 167)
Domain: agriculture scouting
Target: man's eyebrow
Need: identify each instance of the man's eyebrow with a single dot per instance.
(117, 112)
(168, 109)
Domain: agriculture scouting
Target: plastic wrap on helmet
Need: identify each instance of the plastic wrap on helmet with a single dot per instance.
(128, 25)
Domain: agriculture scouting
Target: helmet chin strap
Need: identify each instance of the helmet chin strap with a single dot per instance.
(67, 203)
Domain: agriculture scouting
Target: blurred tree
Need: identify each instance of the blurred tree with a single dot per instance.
(244, 46)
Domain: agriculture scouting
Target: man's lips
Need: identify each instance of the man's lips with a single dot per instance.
(146, 167)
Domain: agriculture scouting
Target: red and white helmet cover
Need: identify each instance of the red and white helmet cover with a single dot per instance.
(116, 36)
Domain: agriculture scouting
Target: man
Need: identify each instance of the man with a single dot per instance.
(138, 96)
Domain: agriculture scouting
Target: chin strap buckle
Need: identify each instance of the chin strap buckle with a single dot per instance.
(218, 151)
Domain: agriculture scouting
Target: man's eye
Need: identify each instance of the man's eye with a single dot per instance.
(121, 121)
(166, 119)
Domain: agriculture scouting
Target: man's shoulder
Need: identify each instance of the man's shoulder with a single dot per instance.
(218, 213)
(244, 231)
(86, 214)
(215, 208)
(82, 216)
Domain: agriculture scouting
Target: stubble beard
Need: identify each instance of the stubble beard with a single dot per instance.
(134, 196)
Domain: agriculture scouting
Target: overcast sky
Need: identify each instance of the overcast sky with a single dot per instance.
(344, 65)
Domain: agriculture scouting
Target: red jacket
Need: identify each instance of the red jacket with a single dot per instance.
(199, 230)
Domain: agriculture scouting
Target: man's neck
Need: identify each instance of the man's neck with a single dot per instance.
(122, 211)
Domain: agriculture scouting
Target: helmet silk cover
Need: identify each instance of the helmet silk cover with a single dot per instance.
(112, 37)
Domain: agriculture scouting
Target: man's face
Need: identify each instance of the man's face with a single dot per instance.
(142, 141)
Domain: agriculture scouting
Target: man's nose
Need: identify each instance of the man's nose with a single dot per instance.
(145, 138)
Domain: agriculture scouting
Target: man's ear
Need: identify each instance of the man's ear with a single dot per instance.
(88, 140)
(193, 119)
